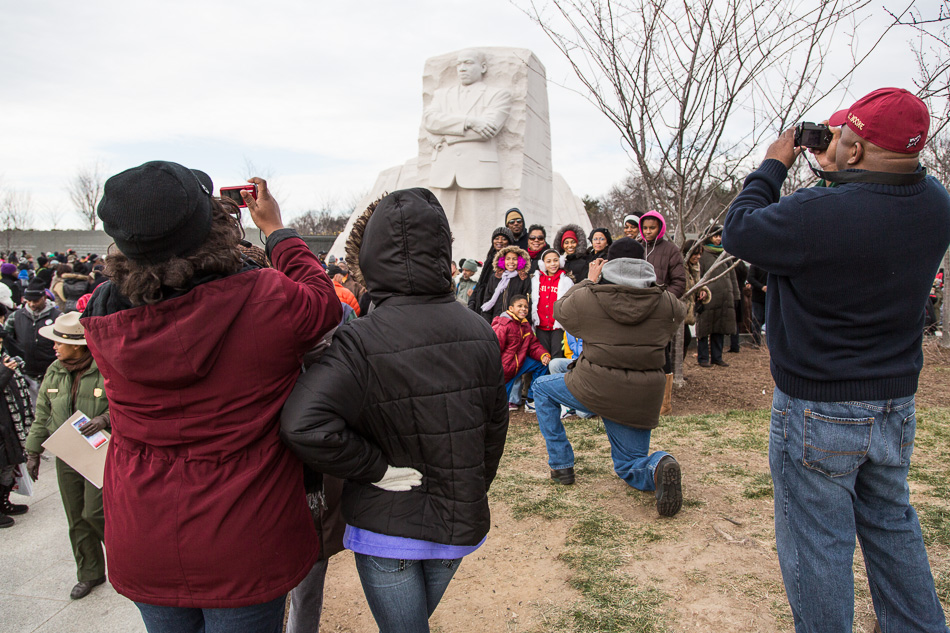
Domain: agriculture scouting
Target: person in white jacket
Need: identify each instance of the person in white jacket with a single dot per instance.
(548, 284)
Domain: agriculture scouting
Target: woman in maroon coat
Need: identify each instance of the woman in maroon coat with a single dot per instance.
(207, 523)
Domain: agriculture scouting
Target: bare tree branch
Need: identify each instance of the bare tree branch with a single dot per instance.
(85, 190)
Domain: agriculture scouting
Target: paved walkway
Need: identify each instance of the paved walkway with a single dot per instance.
(37, 572)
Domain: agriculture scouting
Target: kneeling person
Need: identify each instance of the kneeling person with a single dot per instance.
(626, 322)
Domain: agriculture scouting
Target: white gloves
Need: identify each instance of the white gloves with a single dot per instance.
(399, 479)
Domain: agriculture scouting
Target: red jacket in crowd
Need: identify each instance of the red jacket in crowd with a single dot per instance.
(204, 506)
(517, 343)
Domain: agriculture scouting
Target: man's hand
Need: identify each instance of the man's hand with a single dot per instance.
(265, 211)
(826, 157)
(784, 149)
(94, 425)
(593, 272)
(9, 363)
(33, 465)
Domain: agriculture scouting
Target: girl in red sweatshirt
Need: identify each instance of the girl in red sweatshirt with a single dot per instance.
(548, 284)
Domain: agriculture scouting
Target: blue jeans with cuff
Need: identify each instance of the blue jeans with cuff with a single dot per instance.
(629, 447)
(840, 469)
(258, 618)
(403, 594)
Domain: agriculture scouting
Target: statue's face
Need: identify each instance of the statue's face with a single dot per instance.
(470, 68)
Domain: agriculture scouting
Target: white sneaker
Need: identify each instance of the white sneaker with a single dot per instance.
(529, 407)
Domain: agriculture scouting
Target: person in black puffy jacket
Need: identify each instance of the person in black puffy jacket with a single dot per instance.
(408, 406)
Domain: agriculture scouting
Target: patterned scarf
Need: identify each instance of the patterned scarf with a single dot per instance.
(712, 248)
(17, 397)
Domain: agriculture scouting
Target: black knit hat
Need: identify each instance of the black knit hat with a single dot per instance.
(625, 247)
(606, 233)
(35, 290)
(333, 269)
(502, 230)
(157, 211)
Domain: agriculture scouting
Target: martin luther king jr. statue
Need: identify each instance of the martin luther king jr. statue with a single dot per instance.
(466, 119)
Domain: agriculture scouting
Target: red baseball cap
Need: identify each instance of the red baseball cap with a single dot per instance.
(892, 118)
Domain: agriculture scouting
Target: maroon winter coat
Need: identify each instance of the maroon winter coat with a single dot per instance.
(204, 505)
(517, 343)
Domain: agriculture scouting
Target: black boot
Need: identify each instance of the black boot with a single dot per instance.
(7, 508)
(5, 521)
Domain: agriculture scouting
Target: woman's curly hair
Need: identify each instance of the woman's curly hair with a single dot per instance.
(146, 284)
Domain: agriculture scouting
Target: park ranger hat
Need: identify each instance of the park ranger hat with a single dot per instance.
(65, 329)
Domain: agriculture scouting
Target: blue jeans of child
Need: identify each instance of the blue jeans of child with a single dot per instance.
(402, 594)
(840, 469)
(629, 447)
(259, 618)
(533, 368)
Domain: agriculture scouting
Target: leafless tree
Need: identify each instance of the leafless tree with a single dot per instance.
(694, 86)
(16, 212)
(55, 215)
(329, 219)
(931, 46)
(85, 190)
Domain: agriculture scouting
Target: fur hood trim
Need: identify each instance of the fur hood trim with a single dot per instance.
(355, 241)
(499, 259)
(581, 238)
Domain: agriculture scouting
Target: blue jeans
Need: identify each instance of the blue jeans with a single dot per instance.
(840, 469)
(629, 447)
(259, 618)
(533, 368)
(559, 366)
(402, 594)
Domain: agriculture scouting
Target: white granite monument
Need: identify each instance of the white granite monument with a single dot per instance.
(484, 147)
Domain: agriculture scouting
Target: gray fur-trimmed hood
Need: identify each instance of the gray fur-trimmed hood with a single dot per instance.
(581, 238)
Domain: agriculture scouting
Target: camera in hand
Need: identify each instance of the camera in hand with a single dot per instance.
(16, 359)
(813, 136)
(234, 193)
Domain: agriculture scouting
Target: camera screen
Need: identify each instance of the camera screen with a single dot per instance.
(233, 194)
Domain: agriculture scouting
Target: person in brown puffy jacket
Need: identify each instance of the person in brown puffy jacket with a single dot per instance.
(626, 321)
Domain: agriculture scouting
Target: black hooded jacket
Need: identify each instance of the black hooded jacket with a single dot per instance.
(418, 382)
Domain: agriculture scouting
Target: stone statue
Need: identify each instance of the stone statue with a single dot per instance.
(484, 147)
(466, 118)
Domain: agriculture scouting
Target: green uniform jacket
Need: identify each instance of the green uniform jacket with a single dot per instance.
(54, 404)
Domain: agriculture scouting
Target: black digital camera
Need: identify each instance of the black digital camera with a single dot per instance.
(813, 136)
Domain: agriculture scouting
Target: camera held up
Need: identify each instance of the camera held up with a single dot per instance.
(815, 136)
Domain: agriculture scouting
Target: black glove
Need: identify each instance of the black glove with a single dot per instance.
(95, 425)
(33, 465)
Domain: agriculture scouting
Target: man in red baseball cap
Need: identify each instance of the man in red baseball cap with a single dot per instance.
(845, 315)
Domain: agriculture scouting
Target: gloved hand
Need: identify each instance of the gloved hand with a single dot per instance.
(399, 479)
(95, 425)
(33, 465)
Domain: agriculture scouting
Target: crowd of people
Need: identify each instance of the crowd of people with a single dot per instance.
(381, 381)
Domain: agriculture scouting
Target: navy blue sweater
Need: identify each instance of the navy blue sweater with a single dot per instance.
(850, 268)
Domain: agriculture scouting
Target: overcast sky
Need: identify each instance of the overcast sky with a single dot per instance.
(322, 95)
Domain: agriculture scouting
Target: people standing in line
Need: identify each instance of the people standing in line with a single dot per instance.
(625, 320)
(73, 383)
(537, 244)
(521, 351)
(571, 243)
(600, 241)
(21, 335)
(846, 358)
(718, 318)
(185, 313)
(466, 285)
(549, 284)
(514, 221)
(631, 226)
(16, 419)
(387, 409)
(500, 238)
(695, 302)
(510, 278)
(667, 262)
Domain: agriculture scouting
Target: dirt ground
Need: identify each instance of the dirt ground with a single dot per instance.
(714, 564)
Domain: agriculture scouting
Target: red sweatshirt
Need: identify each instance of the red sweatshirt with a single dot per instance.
(517, 343)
